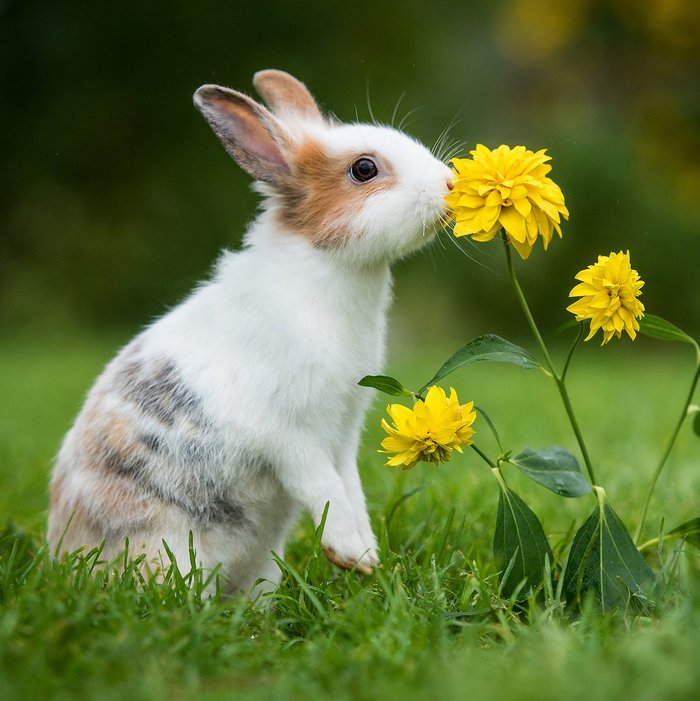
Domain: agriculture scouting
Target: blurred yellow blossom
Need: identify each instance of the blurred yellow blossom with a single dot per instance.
(506, 188)
(609, 290)
(430, 431)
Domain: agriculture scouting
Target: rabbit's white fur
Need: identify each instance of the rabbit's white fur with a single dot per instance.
(241, 405)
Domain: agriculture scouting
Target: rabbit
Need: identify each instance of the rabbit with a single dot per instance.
(240, 407)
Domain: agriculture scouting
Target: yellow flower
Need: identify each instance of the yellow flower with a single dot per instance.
(506, 188)
(608, 290)
(429, 431)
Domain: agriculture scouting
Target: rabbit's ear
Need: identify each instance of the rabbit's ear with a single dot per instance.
(284, 93)
(253, 137)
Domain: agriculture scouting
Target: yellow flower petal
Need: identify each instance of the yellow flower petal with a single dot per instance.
(524, 249)
(506, 187)
(429, 431)
(609, 291)
(522, 205)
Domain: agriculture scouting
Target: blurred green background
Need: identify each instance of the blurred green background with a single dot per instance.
(115, 197)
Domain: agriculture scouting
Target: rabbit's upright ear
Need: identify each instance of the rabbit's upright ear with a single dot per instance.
(284, 94)
(253, 137)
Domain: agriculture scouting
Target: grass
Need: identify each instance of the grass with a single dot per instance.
(430, 624)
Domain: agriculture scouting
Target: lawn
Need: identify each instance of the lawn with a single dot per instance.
(430, 624)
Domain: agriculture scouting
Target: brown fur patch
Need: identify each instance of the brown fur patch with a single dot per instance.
(110, 444)
(320, 200)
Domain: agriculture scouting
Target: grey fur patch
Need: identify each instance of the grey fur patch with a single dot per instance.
(194, 451)
(124, 464)
(217, 512)
(185, 445)
(210, 507)
(200, 498)
(157, 389)
(151, 442)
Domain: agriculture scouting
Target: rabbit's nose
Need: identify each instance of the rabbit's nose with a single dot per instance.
(450, 184)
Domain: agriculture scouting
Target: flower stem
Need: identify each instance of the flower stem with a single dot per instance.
(558, 379)
(483, 456)
(496, 472)
(649, 544)
(574, 346)
(526, 308)
(667, 452)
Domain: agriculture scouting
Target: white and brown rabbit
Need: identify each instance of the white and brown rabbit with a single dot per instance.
(241, 405)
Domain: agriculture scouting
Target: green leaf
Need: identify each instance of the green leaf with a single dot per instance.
(485, 349)
(554, 468)
(604, 561)
(520, 546)
(656, 327)
(690, 530)
(386, 384)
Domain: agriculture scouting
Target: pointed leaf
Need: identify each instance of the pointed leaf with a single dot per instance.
(690, 530)
(604, 561)
(485, 349)
(656, 327)
(386, 384)
(554, 468)
(520, 545)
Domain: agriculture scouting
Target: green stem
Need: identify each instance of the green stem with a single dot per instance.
(526, 308)
(574, 425)
(649, 544)
(483, 456)
(496, 471)
(667, 452)
(574, 346)
(558, 379)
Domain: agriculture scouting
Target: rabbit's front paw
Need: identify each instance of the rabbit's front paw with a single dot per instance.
(351, 555)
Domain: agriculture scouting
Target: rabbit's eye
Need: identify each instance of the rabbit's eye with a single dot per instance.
(363, 169)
